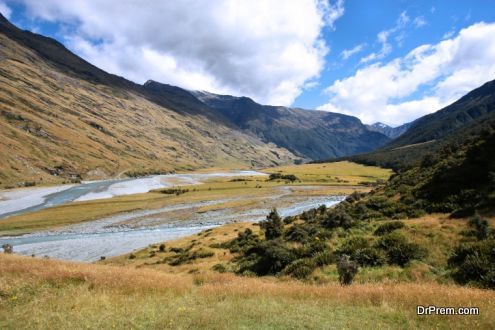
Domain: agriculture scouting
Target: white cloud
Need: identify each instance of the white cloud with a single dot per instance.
(5, 10)
(264, 49)
(346, 53)
(420, 21)
(384, 36)
(426, 79)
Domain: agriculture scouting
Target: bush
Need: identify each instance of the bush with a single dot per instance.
(338, 218)
(324, 258)
(475, 262)
(347, 270)
(398, 250)
(272, 226)
(267, 258)
(162, 248)
(244, 241)
(388, 227)
(358, 249)
(279, 176)
(219, 268)
(301, 268)
(481, 228)
(296, 233)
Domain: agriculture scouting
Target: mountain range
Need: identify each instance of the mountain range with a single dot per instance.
(64, 119)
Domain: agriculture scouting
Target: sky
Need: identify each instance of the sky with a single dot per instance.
(390, 61)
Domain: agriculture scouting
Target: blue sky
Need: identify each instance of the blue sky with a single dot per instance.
(389, 61)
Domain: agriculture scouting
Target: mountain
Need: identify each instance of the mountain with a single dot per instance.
(63, 119)
(310, 134)
(471, 115)
(391, 132)
(473, 107)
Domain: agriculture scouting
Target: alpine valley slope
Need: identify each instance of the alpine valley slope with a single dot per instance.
(62, 118)
(470, 116)
(310, 134)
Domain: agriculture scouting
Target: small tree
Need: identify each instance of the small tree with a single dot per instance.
(347, 269)
(273, 225)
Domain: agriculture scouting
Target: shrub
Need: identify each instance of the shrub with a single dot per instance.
(388, 227)
(475, 262)
(267, 258)
(481, 228)
(358, 249)
(244, 241)
(324, 258)
(398, 250)
(301, 268)
(162, 248)
(296, 233)
(338, 218)
(219, 268)
(279, 176)
(347, 270)
(273, 225)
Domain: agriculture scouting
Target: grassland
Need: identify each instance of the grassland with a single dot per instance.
(327, 179)
(50, 294)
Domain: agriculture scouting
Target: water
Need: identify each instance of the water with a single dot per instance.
(20, 201)
(112, 236)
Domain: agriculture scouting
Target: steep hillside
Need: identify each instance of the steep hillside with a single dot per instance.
(475, 106)
(391, 132)
(309, 134)
(61, 118)
(468, 117)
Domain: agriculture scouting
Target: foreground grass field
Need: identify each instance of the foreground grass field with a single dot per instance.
(50, 294)
(336, 178)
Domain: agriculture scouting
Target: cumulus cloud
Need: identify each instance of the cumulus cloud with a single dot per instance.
(264, 49)
(425, 80)
(346, 53)
(5, 10)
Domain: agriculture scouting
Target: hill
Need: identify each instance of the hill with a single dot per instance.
(63, 119)
(466, 118)
(310, 134)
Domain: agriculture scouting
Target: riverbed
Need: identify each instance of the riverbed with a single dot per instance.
(125, 232)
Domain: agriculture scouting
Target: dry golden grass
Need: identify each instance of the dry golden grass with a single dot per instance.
(51, 294)
(51, 118)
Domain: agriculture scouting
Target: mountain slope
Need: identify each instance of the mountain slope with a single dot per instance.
(62, 118)
(468, 117)
(309, 134)
(476, 105)
(391, 132)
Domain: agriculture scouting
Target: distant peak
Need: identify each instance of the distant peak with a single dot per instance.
(150, 82)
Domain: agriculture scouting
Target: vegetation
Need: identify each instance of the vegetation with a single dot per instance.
(37, 293)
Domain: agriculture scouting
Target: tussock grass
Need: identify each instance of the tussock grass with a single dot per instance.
(50, 294)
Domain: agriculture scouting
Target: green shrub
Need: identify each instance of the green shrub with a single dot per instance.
(273, 225)
(388, 227)
(324, 258)
(398, 250)
(297, 233)
(162, 248)
(301, 268)
(244, 241)
(267, 258)
(481, 228)
(475, 262)
(219, 268)
(338, 218)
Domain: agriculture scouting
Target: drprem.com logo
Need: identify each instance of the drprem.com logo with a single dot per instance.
(434, 310)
